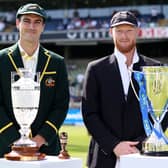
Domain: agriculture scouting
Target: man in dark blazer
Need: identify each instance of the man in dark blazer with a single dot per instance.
(54, 91)
(110, 109)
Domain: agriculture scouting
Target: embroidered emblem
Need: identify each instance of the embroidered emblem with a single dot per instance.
(49, 82)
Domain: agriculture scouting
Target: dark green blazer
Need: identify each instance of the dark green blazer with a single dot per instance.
(54, 99)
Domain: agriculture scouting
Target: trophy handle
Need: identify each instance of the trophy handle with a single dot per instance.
(21, 71)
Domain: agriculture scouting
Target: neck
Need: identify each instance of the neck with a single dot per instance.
(29, 48)
(129, 60)
(129, 56)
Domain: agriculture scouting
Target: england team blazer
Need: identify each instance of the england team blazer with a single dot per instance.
(109, 116)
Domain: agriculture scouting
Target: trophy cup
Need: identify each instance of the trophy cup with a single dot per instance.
(25, 92)
(63, 139)
(153, 98)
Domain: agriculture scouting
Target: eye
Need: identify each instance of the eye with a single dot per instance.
(119, 31)
(38, 21)
(26, 20)
(129, 31)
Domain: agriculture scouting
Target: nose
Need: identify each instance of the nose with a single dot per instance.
(124, 34)
(32, 25)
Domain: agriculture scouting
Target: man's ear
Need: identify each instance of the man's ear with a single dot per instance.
(110, 32)
(43, 27)
(138, 31)
(17, 23)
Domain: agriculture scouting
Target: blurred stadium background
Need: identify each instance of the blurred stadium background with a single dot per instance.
(79, 31)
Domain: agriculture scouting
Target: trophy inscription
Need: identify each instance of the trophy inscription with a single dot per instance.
(25, 92)
(153, 98)
(63, 139)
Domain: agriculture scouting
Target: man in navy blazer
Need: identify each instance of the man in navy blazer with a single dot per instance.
(110, 109)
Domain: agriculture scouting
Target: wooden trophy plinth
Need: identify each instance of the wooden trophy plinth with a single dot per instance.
(25, 153)
(63, 153)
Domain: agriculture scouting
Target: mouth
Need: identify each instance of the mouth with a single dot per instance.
(31, 31)
(124, 41)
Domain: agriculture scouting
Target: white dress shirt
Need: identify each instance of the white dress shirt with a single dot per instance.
(30, 62)
(124, 70)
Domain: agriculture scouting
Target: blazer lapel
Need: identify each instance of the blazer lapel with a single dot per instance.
(114, 68)
(43, 61)
(15, 57)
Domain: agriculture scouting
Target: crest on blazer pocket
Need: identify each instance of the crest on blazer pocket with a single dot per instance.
(49, 82)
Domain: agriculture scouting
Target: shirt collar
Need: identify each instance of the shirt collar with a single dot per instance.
(121, 58)
(35, 54)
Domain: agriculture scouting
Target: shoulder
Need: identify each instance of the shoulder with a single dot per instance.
(53, 58)
(99, 63)
(150, 61)
(7, 49)
(50, 53)
(55, 55)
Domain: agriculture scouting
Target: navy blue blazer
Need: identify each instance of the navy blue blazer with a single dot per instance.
(108, 116)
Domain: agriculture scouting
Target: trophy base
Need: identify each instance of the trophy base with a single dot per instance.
(154, 146)
(161, 153)
(63, 155)
(24, 153)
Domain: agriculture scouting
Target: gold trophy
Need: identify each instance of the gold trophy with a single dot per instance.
(25, 91)
(153, 98)
(63, 139)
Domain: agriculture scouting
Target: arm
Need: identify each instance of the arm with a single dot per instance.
(59, 106)
(92, 114)
(8, 131)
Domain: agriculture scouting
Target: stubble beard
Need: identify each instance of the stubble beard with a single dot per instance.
(125, 49)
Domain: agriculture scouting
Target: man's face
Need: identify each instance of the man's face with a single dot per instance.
(30, 27)
(124, 37)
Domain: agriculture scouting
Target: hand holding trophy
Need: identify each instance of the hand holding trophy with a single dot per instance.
(25, 91)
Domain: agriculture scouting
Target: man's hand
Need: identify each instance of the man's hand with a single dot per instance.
(126, 147)
(39, 140)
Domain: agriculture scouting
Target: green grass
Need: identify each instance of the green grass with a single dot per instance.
(78, 141)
